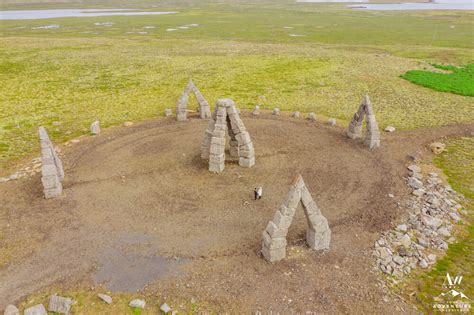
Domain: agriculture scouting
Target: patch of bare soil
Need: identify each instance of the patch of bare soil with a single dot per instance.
(140, 208)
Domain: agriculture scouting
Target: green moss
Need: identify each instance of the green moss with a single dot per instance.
(460, 80)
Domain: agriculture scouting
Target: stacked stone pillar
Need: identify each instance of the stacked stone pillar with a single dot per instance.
(318, 234)
(372, 137)
(218, 139)
(52, 172)
(226, 120)
(181, 106)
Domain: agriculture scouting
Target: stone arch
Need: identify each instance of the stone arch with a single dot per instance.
(226, 120)
(318, 234)
(372, 136)
(181, 105)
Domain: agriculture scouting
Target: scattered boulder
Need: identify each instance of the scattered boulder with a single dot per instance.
(414, 183)
(295, 115)
(432, 258)
(402, 228)
(165, 308)
(276, 111)
(59, 304)
(389, 129)
(106, 298)
(311, 116)
(137, 303)
(256, 110)
(11, 310)
(95, 128)
(332, 121)
(36, 310)
(56, 123)
(414, 168)
(423, 264)
(437, 147)
(168, 112)
(405, 240)
(127, 124)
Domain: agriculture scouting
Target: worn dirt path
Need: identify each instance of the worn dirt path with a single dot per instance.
(139, 207)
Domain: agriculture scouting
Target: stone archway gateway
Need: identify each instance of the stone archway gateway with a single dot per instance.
(226, 119)
(181, 105)
(372, 137)
(318, 235)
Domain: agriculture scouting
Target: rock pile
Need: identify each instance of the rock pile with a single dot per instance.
(433, 210)
(181, 106)
(226, 119)
(52, 172)
(372, 137)
(318, 234)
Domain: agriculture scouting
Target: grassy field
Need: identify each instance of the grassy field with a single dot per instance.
(80, 71)
(458, 80)
(457, 163)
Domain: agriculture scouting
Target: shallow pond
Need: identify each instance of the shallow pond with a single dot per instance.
(59, 13)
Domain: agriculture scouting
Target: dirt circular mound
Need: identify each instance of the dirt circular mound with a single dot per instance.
(139, 205)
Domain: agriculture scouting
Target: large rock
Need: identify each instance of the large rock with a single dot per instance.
(36, 310)
(137, 303)
(11, 310)
(106, 298)
(59, 304)
(414, 183)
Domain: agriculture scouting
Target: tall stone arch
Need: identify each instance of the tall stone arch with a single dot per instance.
(181, 105)
(318, 234)
(372, 136)
(226, 121)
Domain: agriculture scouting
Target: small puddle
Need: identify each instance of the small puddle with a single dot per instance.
(132, 262)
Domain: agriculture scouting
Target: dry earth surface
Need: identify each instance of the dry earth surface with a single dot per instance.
(140, 208)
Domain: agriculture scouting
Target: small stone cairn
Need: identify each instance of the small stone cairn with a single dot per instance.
(52, 172)
(226, 120)
(204, 108)
(318, 235)
(372, 137)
